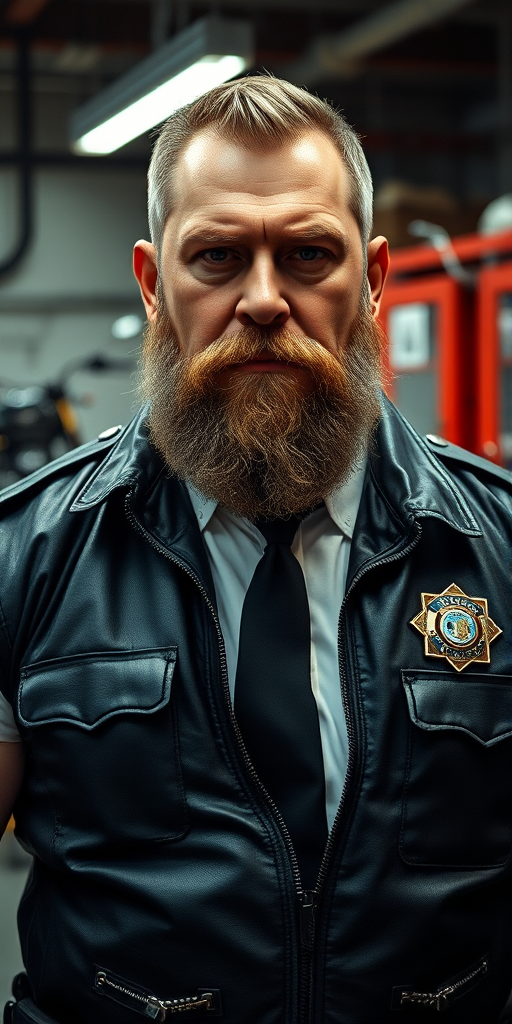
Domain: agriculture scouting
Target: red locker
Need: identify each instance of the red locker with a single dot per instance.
(494, 363)
(424, 323)
(459, 385)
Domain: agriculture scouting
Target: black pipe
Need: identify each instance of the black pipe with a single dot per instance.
(24, 157)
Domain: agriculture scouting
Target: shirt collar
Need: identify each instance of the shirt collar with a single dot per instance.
(203, 507)
(342, 503)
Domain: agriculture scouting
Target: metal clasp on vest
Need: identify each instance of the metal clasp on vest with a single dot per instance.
(204, 1002)
(150, 1005)
(435, 1000)
(442, 998)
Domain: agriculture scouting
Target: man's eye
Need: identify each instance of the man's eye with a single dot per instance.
(216, 255)
(309, 253)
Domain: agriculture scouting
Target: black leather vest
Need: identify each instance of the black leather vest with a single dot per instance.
(160, 871)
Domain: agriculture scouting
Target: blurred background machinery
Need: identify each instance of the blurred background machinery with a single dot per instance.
(427, 83)
(38, 423)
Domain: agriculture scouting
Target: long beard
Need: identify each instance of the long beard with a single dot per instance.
(267, 443)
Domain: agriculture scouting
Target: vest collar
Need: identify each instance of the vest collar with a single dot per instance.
(131, 461)
(413, 479)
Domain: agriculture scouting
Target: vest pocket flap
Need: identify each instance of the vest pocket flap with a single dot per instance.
(87, 689)
(479, 705)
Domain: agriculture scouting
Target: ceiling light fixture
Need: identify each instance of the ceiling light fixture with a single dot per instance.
(209, 52)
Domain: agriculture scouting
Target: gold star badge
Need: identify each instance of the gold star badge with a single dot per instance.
(456, 627)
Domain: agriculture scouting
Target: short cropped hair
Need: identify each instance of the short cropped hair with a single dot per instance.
(256, 112)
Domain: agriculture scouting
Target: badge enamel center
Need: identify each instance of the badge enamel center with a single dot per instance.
(456, 627)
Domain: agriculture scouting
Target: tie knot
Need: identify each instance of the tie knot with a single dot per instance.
(279, 531)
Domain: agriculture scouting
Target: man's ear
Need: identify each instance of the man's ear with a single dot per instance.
(146, 272)
(378, 266)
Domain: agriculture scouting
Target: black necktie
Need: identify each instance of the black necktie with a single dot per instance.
(274, 704)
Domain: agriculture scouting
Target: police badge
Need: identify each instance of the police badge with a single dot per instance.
(456, 627)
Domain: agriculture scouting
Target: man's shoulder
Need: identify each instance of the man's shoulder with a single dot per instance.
(459, 460)
(76, 465)
(428, 472)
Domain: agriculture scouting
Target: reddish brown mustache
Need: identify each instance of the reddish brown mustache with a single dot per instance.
(252, 345)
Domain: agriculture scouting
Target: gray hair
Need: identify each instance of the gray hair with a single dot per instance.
(256, 111)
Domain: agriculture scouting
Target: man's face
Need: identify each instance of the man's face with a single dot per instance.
(264, 238)
(261, 357)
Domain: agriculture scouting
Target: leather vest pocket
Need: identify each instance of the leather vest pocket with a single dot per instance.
(103, 735)
(457, 801)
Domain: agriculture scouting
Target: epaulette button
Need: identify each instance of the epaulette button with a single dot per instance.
(110, 432)
(435, 439)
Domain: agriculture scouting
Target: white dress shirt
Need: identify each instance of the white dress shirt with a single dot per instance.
(322, 547)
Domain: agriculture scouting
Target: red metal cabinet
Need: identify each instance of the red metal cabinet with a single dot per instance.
(426, 356)
(463, 390)
(494, 363)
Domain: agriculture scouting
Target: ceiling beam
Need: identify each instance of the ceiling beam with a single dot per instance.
(337, 55)
(22, 12)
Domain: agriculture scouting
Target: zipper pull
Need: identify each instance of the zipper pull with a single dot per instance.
(307, 908)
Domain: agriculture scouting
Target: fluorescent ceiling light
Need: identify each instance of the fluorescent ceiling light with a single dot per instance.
(155, 106)
(209, 52)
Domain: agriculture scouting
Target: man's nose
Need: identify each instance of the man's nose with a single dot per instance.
(262, 301)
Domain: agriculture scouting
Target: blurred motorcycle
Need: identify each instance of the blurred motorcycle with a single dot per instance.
(38, 423)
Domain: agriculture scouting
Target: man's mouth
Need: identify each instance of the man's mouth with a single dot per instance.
(265, 363)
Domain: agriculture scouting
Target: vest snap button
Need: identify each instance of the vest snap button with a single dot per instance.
(435, 439)
(109, 432)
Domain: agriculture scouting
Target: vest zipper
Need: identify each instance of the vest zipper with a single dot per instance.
(345, 694)
(308, 904)
(351, 760)
(301, 897)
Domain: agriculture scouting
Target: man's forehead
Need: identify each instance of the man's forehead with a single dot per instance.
(218, 179)
(208, 149)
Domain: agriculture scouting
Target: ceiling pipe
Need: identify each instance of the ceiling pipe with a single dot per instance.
(338, 55)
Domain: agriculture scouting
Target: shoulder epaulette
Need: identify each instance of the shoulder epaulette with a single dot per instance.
(449, 452)
(52, 470)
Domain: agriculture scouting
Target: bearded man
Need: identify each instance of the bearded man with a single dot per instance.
(250, 791)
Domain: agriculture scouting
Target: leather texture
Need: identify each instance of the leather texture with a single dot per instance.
(25, 1012)
(157, 854)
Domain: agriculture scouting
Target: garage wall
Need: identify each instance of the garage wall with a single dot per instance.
(75, 281)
